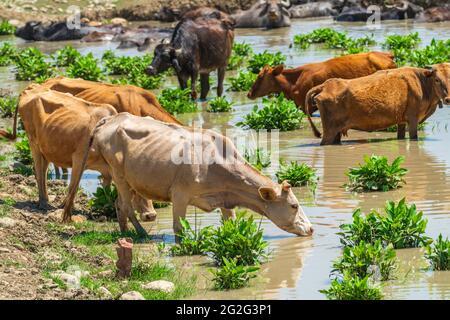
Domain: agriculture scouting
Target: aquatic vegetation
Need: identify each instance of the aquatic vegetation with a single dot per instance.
(232, 275)
(401, 225)
(139, 79)
(352, 288)
(260, 60)
(297, 174)
(277, 113)
(192, 242)
(258, 158)
(420, 127)
(220, 104)
(8, 105)
(373, 259)
(240, 54)
(23, 150)
(438, 254)
(177, 101)
(103, 201)
(243, 81)
(376, 174)
(6, 28)
(438, 51)
(31, 65)
(8, 53)
(395, 42)
(85, 67)
(242, 49)
(240, 239)
(66, 56)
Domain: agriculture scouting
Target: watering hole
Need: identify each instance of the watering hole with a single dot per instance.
(299, 267)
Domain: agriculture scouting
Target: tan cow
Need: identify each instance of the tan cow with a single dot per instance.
(169, 162)
(391, 97)
(295, 83)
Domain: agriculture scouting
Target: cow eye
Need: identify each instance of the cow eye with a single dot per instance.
(294, 206)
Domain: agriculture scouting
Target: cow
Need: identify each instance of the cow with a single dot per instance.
(434, 14)
(295, 83)
(188, 166)
(389, 97)
(266, 14)
(198, 46)
(398, 11)
(312, 10)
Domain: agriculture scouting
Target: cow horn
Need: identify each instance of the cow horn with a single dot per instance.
(165, 41)
(286, 3)
(262, 1)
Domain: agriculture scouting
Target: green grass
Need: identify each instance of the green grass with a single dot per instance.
(232, 275)
(297, 174)
(438, 254)
(8, 54)
(85, 67)
(177, 101)
(66, 56)
(220, 104)
(95, 237)
(260, 60)
(103, 201)
(242, 82)
(401, 225)
(277, 113)
(352, 288)
(8, 105)
(376, 174)
(258, 158)
(6, 28)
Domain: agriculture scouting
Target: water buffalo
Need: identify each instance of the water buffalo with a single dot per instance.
(189, 166)
(312, 10)
(198, 46)
(295, 83)
(389, 97)
(398, 11)
(435, 14)
(264, 14)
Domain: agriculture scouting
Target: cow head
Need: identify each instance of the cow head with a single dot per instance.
(283, 209)
(441, 80)
(266, 83)
(165, 56)
(274, 9)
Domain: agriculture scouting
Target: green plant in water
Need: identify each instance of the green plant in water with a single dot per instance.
(177, 101)
(240, 239)
(23, 150)
(8, 54)
(103, 201)
(66, 56)
(220, 104)
(85, 67)
(420, 127)
(8, 105)
(277, 113)
(297, 174)
(258, 158)
(6, 28)
(437, 52)
(376, 174)
(192, 242)
(232, 275)
(31, 65)
(438, 254)
(401, 225)
(240, 54)
(260, 60)
(352, 288)
(243, 81)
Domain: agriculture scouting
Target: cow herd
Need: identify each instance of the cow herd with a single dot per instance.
(124, 133)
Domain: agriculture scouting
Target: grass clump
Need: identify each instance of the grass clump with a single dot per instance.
(220, 104)
(296, 174)
(376, 174)
(401, 225)
(352, 288)
(260, 60)
(277, 113)
(177, 101)
(103, 201)
(8, 54)
(85, 67)
(438, 254)
(239, 55)
(243, 81)
(23, 150)
(66, 56)
(258, 158)
(8, 105)
(6, 28)
(95, 237)
(232, 275)
(31, 65)
(192, 242)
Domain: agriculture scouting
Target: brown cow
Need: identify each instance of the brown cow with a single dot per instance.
(389, 97)
(295, 83)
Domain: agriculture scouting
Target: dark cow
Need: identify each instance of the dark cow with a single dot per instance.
(435, 14)
(404, 96)
(312, 10)
(400, 11)
(198, 46)
(264, 14)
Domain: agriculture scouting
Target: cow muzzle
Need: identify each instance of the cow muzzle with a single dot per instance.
(447, 100)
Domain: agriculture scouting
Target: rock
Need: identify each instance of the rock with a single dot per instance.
(94, 24)
(70, 280)
(55, 215)
(4, 250)
(160, 285)
(132, 295)
(104, 293)
(105, 274)
(119, 22)
(6, 222)
(79, 218)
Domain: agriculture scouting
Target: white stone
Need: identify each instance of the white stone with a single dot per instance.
(132, 295)
(105, 293)
(160, 285)
(70, 280)
(6, 222)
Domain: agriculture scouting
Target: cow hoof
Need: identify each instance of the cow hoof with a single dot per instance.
(148, 216)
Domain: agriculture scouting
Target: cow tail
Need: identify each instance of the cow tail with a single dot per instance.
(7, 135)
(309, 103)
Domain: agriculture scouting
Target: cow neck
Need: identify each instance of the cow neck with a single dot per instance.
(287, 80)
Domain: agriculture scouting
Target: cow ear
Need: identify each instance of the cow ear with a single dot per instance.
(277, 70)
(285, 186)
(429, 72)
(267, 193)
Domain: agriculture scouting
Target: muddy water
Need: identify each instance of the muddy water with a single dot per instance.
(299, 267)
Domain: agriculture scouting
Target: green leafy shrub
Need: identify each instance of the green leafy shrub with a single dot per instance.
(23, 150)
(438, 254)
(260, 60)
(240, 239)
(8, 105)
(243, 81)
(232, 275)
(192, 242)
(258, 158)
(376, 174)
(6, 28)
(401, 46)
(103, 201)
(8, 54)
(220, 104)
(296, 174)
(363, 259)
(401, 225)
(438, 51)
(177, 101)
(31, 65)
(352, 288)
(240, 54)
(66, 56)
(277, 113)
(85, 67)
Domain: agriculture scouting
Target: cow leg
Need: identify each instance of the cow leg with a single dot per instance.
(401, 129)
(77, 172)
(330, 138)
(412, 128)
(40, 167)
(194, 76)
(204, 81)
(337, 139)
(182, 80)
(220, 78)
(57, 172)
(228, 213)
(179, 211)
